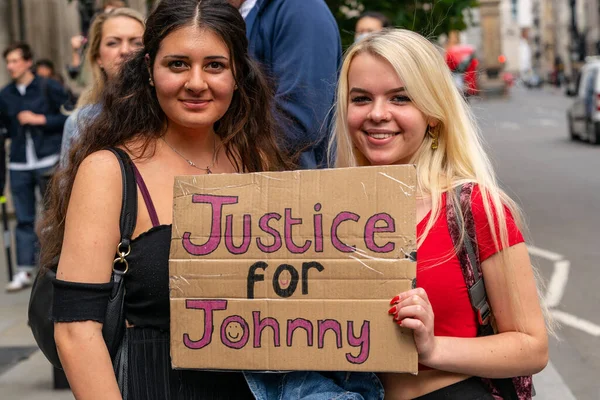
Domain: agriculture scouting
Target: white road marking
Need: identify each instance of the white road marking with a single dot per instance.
(560, 275)
(510, 126)
(547, 122)
(548, 255)
(576, 322)
(558, 282)
(556, 290)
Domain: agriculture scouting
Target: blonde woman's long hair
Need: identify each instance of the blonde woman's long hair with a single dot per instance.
(93, 92)
(460, 157)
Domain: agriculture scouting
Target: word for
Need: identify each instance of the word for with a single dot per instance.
(253, 277)
(234, 330)
(223, 228)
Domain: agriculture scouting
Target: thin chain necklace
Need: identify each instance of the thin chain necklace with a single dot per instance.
(208, 168)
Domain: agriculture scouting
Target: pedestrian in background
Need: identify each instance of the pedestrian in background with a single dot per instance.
(79, 42)
(397, 104)
(370, 22)
(298, 43)
(44, 68)
(192, 101)
(32, 108)
(113, 38)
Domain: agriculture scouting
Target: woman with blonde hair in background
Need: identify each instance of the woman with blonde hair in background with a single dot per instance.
(113, 37)
(397, 104)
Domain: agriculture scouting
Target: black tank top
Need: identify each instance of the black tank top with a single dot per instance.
(147, 280)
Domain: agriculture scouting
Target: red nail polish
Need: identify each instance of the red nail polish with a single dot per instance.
(392, 310)
(399, 323)
(395, 299)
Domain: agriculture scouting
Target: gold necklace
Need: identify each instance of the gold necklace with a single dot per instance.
(208, 169)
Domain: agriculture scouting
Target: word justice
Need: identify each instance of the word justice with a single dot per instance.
(234, 331)
(222, 226)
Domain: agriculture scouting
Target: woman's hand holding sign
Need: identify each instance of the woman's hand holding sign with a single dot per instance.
(412, 310)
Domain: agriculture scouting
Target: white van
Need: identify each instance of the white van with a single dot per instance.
(584, 114)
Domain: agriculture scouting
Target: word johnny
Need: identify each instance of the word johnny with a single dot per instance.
(292, 270)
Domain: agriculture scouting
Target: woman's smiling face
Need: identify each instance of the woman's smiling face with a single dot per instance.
(385, 126)
(193, 77)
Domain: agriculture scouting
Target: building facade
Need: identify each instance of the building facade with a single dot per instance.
(47, 25)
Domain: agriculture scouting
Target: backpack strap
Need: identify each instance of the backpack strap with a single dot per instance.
(468, 256)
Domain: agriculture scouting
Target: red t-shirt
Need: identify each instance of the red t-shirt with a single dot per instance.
(440, 274)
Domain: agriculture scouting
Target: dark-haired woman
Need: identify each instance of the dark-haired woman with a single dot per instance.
(191, 102)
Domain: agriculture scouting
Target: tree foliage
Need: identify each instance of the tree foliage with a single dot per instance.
(431, 18)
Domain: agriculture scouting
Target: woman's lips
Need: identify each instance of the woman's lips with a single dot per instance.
(195, 104)
(380, 137)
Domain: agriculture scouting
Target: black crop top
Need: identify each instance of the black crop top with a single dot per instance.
(146, 281)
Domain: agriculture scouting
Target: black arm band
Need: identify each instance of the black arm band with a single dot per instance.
(75, 301)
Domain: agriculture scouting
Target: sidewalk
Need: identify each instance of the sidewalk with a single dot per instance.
(30, 378)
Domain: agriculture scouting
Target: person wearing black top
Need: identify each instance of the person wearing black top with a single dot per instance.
(190, 102)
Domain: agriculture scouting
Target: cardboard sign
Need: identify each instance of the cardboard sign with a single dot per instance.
(292, 270)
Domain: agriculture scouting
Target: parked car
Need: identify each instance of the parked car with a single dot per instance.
(583, 116)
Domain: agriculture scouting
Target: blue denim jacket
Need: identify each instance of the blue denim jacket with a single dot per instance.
(312, 385)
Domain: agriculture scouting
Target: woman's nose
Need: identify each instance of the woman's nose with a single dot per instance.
(379, 113)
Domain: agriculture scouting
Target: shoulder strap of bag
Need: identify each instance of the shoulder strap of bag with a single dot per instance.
(113, 328)
(471, 268)
(129, 200)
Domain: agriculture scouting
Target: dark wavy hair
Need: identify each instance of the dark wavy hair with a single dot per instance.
(130, 109)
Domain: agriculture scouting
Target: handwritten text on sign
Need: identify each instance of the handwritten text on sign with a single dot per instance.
(261, 271)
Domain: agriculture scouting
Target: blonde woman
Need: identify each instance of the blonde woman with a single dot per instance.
(113, 37)
(397, 104)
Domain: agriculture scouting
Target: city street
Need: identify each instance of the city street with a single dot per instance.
(554, 180)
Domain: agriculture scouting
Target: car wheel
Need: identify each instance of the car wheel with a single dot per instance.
(571, 131)
(594, 133)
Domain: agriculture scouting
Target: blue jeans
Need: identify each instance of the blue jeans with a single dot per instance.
(22, 188)
(311, 385)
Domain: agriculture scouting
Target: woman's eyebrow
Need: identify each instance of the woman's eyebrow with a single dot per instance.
(360, 90)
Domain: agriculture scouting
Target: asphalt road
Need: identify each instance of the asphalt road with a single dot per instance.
(557, 183)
